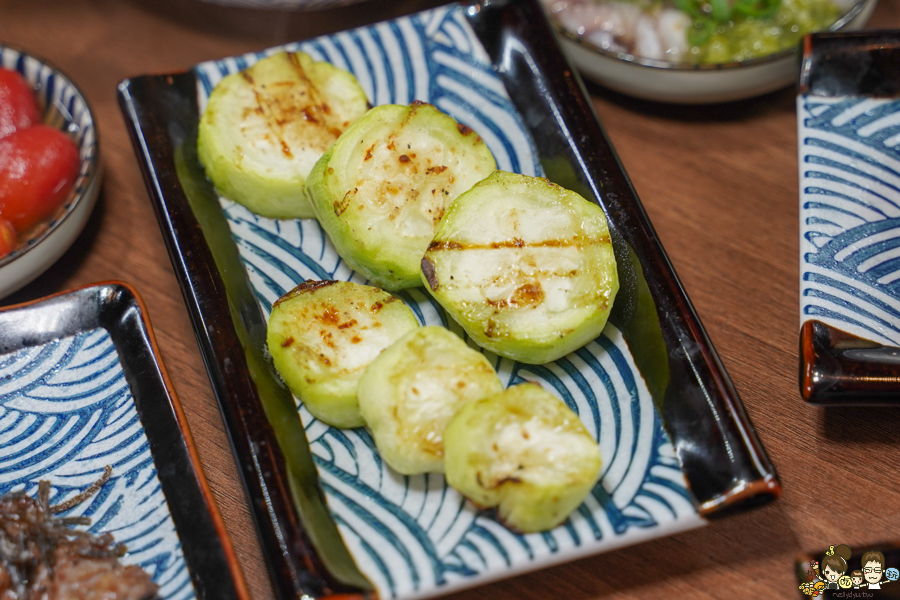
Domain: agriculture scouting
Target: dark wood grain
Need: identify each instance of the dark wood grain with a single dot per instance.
(720, 186)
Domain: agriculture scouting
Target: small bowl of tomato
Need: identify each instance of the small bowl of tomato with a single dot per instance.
(49, 166)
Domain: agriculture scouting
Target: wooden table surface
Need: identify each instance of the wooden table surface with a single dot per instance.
(720, 186)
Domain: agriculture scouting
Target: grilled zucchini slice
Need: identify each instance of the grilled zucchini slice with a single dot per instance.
(382, 188)
(523, 451)
(265, 127)
(409, 392)
(525, 266)
(323, 334)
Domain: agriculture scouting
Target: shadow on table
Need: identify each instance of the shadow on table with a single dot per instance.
(861, 425)
(56, 279)
(279, 26)
(740, 110)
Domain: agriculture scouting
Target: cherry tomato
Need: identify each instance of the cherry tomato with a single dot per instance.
(7, 237)
(18, 106)
(38, 167)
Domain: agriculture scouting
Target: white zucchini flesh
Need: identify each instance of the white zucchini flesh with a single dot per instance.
(525, 266)
(264, 129)
(409, 393)
(384, 186)
(323, 334)
(526, 453)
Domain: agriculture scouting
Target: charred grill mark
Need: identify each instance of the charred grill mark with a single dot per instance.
(379, 305)
(445, 246)
(286, 102)
(509, 479)
(430, 276)
(330, 316)
(369, 152)
(414, 107)
(529, 294)
(287, 342)
(341, 205)
(348, 324)
(489, 328)
(463, 129)
(518, 243)
(404, 158)
(294, 59)
(309, 114)
(435, 171)
(307, 287)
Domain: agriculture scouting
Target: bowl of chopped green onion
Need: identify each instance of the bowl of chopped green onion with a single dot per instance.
(695, 51)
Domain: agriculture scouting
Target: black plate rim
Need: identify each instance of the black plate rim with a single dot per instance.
(710, 396)
(118, 308)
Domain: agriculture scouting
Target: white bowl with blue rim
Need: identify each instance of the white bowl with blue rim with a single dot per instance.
(684, 83)
(64, 107)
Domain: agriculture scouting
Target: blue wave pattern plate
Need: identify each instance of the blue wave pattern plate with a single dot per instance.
(82, 388)
(850, 214)
(66, 412)
(415, 537)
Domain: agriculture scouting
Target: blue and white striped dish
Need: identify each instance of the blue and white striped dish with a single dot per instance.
(850, 215)
(415, 537)
(66, 412)
(65, 108)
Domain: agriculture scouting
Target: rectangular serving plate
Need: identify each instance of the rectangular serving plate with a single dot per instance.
(497, 68)
(848, 120)
(82, 387)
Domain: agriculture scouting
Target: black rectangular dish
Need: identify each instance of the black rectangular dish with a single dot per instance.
(847, 109)
(83, 390)
(322, 548)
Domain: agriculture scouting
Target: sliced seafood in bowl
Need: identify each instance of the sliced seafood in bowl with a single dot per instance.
(695, 51)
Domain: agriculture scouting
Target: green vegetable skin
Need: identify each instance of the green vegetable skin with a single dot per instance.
(381, 190)
(264, 128)
(323, 334)
(525, 266)
(409, 393)
(525, 452)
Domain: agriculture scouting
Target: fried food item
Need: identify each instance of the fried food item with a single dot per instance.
(43, 558)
